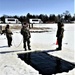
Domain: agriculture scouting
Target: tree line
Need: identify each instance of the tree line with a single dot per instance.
(65, 17)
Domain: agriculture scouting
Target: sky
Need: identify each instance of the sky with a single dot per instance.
(36, 7)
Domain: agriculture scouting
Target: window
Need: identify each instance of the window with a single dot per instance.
(11, 19)
(34, 20)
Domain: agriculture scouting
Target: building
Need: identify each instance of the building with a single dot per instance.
(1, 21)
(35, 21)
(12, 21)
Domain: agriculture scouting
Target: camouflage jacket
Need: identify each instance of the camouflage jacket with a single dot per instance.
(26, 33)
(7, 32)
(60, 32)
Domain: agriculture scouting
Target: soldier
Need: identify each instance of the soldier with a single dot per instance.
(59, 35)
(26, 35)
(8, 33)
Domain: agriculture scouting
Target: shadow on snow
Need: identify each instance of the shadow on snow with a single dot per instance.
(3, 52)
(46, 64)
(3, 46)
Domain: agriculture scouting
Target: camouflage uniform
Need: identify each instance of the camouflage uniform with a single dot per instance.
(8, 33)
(26, 36)
(59, 35)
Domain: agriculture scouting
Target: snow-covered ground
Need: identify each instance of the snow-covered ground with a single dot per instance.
(10, 64)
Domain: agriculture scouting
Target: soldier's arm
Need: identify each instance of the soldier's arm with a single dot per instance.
(21, 31)
(62, 30)
(10, 32)
(2, 32)
(29, 34)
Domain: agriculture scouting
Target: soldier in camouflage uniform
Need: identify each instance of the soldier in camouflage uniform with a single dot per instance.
(26, 35)
(8, 34)
(59, 35)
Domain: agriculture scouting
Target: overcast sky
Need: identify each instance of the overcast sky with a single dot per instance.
(36, 7)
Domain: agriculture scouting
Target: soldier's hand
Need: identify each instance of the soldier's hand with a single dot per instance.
(29, 36)
(1, 33)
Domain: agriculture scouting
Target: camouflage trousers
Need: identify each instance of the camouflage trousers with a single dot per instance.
(26, 43)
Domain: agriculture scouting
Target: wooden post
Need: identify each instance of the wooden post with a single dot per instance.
(32, 25)
(29, 26)
(0, 29)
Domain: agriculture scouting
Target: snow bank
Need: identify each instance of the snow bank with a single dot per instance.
(10, 64)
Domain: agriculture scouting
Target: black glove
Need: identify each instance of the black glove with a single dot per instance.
(1, 33)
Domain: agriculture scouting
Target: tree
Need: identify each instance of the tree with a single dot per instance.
(73, 18)
(67, 16)
(52, 18)
(58, 18)
(22, 19)
(28, 16)
(3, 19)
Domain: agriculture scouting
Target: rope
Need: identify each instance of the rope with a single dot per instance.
(21, 42)
(18, 44)
(2, 38)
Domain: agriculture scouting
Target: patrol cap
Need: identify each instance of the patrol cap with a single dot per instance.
(60, 24)
(25, 24)
(7, 25)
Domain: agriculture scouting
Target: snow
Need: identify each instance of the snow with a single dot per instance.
(10, 64)
(10, 24)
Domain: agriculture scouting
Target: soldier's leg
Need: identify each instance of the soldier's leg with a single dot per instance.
(8, 41)
(29, 54)
(11, 41)
(59, 43)
(28, 44)
(24, 44)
